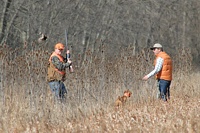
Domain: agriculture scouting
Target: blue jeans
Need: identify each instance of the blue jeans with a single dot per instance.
(58, 88)
(164, 89)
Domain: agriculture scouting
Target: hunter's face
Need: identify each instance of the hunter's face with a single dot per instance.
(58, 51)
(156, 51)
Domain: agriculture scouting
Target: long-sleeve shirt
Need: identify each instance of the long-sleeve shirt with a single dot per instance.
(158, 67)
(58, 64)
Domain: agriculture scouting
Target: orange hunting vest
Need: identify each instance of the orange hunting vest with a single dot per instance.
(53, 73)
(166, 71)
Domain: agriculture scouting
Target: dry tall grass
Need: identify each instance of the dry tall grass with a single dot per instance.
(28, 106)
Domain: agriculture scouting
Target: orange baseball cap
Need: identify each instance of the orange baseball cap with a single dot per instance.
(59, 46)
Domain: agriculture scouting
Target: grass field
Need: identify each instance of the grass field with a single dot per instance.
(27, 105)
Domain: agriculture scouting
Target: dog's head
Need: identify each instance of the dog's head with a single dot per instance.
(127, 93)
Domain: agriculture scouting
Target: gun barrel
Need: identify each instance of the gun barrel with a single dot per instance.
(66, 38)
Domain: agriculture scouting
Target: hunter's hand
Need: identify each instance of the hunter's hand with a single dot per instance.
(145, 77)
(67, 52)
(69, 61)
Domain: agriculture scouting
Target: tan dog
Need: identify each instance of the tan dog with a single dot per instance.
(122, 100)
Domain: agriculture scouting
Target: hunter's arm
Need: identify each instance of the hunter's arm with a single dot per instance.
(158, 67)
(58, 64)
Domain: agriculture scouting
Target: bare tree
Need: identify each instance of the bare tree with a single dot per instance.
(117, 23)
(4, 17)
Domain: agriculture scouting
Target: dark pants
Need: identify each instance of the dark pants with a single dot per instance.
(164, 89)
(58, 88)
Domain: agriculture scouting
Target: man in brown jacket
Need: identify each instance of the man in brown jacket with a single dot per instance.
(57, 71)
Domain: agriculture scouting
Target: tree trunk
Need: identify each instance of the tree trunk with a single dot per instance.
(3, 22)
(184, 25)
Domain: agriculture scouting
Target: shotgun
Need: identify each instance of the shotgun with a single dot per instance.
(68, 54)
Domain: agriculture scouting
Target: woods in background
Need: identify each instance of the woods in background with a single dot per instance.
(91, 24)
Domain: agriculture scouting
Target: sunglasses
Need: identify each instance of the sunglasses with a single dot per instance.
(155, 48)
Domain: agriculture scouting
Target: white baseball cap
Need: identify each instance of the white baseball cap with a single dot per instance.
(157, 45)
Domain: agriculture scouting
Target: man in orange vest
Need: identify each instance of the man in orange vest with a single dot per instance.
(57, 71)
(162, 70)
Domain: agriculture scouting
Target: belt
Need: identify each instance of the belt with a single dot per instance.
(54, 81)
